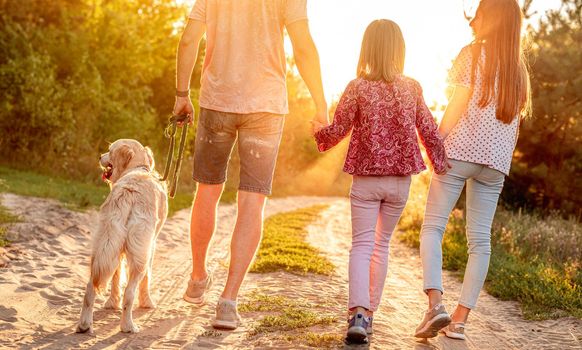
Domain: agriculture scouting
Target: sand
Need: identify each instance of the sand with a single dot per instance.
(45, 270)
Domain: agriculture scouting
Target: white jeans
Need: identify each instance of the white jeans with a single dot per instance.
(483, 188)
(377, 203)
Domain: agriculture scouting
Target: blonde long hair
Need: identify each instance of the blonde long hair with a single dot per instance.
(505, 62)
(382, 52)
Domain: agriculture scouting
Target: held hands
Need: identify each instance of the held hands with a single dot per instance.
(447, 167)
(183, 105)
(316, 126)
(320, 120)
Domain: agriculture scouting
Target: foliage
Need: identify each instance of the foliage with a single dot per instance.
(76, 74)
(283, 246)
(5, 218)
(535, 260)
(547, 168)
(79, 74)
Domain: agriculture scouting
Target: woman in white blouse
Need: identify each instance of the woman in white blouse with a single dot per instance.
(480, 127)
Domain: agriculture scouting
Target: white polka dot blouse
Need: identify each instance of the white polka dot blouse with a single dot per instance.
(479, 137)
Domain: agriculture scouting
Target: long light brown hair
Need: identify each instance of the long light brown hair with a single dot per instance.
(382, 52)
(499, 34)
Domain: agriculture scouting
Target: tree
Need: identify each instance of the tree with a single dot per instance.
(547, 168)
(75, 74)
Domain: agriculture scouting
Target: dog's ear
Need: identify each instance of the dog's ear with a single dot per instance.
(150, 156)
(123, 155)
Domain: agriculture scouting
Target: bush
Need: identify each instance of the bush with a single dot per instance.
(78, 74)
(548, 159)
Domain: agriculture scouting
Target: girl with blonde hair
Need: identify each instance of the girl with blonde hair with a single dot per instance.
(384, 110)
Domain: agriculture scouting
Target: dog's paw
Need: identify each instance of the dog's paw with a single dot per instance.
(112, 304)
(129, 328)
(147, 304)
(84, 328)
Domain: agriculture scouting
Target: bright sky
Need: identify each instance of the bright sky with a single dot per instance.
(434, 32)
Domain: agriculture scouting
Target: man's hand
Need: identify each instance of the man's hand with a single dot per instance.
(316, 126)
(182, 106)
(321, 116)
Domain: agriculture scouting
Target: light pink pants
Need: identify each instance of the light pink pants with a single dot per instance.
(376, 202)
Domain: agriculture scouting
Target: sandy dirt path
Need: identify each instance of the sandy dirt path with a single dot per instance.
(41, 290)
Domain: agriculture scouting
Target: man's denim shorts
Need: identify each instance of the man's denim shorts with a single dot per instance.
(259, 136)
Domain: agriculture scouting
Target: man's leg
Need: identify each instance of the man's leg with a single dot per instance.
(259, 136)
(202, 225)
(245, 240)
(215, 137)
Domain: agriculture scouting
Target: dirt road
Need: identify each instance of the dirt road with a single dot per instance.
(41, 290)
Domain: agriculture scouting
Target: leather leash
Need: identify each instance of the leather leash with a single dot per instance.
(170, 132)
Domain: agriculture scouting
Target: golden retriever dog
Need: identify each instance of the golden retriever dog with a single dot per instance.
(129, 222)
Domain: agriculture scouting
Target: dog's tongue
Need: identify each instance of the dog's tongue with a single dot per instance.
(104, 176)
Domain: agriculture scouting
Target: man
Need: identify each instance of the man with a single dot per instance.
(243, 96)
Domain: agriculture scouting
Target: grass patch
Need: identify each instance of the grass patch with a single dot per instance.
(76, 195)
(283, 315)
(283, 246)
(291, 318)
(5, 218)
(262, 303)
(535, 260)
(318, 340)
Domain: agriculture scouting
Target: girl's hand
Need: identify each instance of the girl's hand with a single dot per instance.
(447, 167)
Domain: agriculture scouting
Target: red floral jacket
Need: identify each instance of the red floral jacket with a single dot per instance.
(384, 118)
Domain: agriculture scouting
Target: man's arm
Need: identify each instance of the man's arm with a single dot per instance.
(187, 56)
(307, 59)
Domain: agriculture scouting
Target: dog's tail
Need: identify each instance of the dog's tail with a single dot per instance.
(109, 241)
(104, 262)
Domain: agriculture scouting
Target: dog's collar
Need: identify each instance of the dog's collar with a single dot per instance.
(142, 167)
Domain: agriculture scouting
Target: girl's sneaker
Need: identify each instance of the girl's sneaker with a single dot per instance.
(357, 326)
(455, 330)
(433, 321)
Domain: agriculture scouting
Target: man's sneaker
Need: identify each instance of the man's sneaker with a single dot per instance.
(196, 290)
(434, 320)
(357, 328)
(455, 330)
(369, 330)
(227, 316)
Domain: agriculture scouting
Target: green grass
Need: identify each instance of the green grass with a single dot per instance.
(284, 314)
(535, 260)
(76, 195)
(283, 246)
(5, 219)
